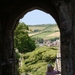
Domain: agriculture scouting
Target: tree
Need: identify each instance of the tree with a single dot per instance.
(21, 39)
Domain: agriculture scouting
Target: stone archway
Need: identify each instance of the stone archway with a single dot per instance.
(12, 11)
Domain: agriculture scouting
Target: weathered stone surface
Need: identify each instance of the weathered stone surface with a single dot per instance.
(63, 11)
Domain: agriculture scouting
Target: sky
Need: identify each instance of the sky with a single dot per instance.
(35, 17)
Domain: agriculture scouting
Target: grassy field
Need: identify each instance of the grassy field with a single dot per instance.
(46, 31)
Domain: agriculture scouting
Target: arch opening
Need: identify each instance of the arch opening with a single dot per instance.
(56, 63)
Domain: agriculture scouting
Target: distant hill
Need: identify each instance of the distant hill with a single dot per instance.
(45, 31)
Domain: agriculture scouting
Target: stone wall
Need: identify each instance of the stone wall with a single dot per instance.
(65, 29)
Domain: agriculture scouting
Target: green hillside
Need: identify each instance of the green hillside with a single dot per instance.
(43, 31)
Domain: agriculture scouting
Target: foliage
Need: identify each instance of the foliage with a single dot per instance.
(54, 39)
(35, 62)
(36, 30)
(38, 40)
(21, 39)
